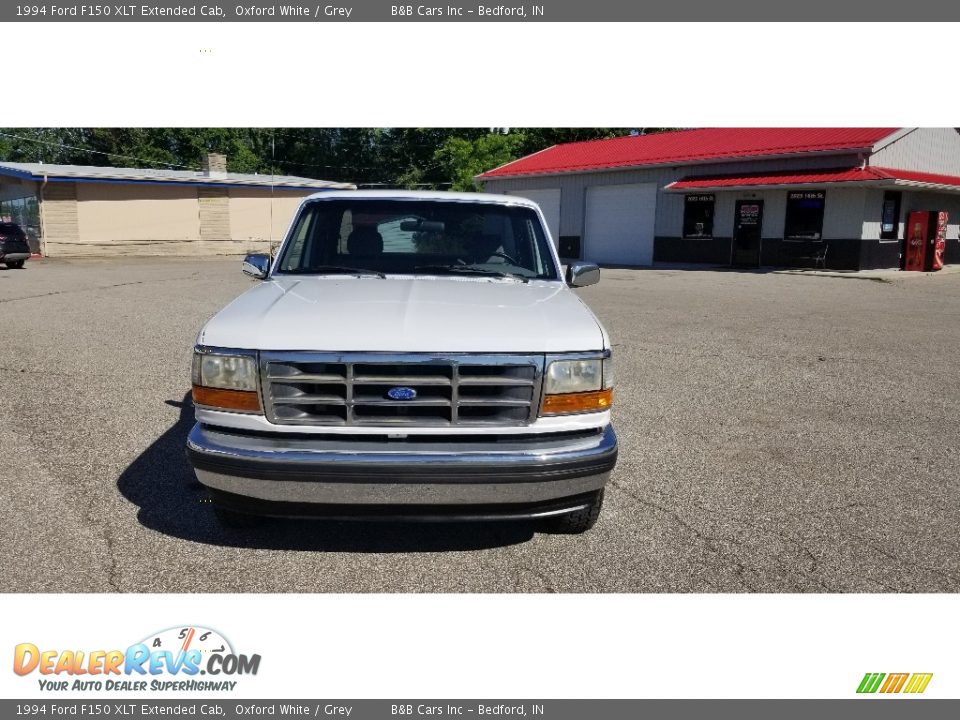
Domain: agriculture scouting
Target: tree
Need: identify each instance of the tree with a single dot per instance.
(382, 157)
(464, 159)
(541, 138)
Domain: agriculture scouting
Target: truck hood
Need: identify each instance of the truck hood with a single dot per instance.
(337, 313)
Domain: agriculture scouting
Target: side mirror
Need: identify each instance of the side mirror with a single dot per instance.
(581, 274)
(257, 266)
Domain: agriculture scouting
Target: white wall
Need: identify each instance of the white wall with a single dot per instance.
(912, 200)
(109, 212)
(843, 213)
(935, 150)
(256, 214)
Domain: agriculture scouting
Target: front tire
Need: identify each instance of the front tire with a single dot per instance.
(16, 264)
(578, 521)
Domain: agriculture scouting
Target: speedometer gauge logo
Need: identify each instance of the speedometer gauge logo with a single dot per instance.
(184, 639)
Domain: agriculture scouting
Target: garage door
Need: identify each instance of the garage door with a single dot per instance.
(549, 202)
(620, 223)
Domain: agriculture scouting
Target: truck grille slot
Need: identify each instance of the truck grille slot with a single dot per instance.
(313, 389)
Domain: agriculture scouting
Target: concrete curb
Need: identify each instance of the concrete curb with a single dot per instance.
(886, 275)
(875, 275)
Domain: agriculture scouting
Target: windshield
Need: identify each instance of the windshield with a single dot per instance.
(418, 237)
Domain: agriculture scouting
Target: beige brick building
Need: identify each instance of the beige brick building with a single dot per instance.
(71, 210)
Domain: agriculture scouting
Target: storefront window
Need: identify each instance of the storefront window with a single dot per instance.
(698, 216)
(804, 215)
(890, 217)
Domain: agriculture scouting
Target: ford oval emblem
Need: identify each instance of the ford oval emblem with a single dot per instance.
(401, 393)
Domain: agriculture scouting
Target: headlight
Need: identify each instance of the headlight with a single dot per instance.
(568, 376)
(230, 372)
(225, 381)
(578, 386)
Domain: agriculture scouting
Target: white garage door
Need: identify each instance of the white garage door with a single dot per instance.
(620, 224)
(549, 202)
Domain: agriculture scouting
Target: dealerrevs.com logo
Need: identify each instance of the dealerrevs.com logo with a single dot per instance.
(893, 683)
(172, 659)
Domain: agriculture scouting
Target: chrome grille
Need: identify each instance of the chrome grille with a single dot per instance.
(301, 388)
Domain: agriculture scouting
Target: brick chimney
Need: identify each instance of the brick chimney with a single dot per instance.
(215, 165)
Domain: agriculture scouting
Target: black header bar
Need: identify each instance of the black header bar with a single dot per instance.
(543, 11)
(218, 707)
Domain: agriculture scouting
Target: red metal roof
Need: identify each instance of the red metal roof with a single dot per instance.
(689, 146)
(814, 177)
(910, 176)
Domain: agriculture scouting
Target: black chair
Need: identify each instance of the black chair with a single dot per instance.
(365, 241)
(820, 258)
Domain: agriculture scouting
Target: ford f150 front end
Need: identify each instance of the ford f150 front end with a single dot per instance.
(412, 355)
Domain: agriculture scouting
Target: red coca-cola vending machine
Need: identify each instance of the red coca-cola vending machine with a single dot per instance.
(926, 238)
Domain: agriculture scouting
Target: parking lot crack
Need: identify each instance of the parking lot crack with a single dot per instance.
(95, 289)
(738, 565)
(547, 585)
(59, 373)
(768, 524)
(904, 563)
(110, 544)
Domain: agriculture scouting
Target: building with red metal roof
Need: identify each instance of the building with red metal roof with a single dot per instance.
(837, 197)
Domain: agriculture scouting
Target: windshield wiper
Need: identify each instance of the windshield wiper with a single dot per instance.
(336, 269)
(470, 270)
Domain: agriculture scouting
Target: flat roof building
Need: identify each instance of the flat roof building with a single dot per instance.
(742, 196)
(72, 210)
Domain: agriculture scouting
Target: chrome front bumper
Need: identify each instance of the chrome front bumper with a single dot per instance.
(351, 471)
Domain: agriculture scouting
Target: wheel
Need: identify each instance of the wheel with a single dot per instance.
(578, 521)
(233, 520)
(15, 264)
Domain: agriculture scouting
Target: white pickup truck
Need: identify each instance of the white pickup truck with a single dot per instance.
(412, 355)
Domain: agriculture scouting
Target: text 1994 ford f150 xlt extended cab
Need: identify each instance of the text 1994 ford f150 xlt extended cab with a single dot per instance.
(407, 354)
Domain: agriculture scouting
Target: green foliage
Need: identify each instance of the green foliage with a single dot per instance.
(371, 157)
(540, 138)
(463, 159)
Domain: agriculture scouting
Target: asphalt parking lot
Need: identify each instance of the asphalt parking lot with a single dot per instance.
(779, 433)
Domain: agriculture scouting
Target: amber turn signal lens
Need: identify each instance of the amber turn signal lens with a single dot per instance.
(577, 402)
(242, 400)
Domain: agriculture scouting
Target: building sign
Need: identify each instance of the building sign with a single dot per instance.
(890, 217)
(809, 195)
(749, 214)
(698, 216)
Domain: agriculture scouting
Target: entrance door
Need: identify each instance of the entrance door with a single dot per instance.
(747, 224)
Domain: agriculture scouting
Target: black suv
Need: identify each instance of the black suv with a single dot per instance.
(14, 249)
